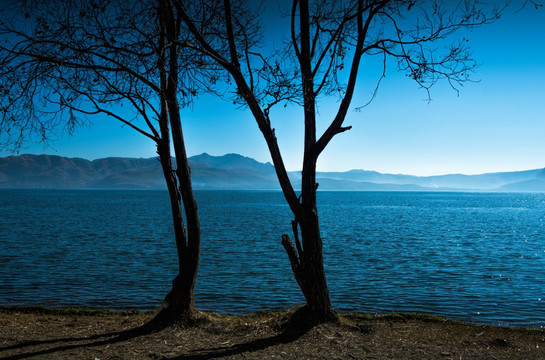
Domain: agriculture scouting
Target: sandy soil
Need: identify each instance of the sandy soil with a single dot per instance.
(45, 334)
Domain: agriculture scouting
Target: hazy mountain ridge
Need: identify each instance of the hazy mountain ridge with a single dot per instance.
(236, 172)
(492, 181)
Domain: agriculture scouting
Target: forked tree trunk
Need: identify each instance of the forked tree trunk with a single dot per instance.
(308, 268)
(179, 301)
(311, 263)
(316, 290)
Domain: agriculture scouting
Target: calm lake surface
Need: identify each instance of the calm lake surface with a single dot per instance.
(477, 257)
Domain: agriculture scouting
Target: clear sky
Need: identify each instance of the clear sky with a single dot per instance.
(497, 124)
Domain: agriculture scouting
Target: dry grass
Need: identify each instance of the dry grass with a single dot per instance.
(49, 334)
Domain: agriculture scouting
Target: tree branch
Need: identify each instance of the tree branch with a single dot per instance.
(335, 126)
(292, 27)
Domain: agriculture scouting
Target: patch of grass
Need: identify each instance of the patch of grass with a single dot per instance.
(242, 318)
(351, 317)
(261, 314)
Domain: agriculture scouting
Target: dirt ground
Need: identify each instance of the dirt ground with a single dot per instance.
(51, 334)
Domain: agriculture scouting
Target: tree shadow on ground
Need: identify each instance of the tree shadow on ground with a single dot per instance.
(156, 324)
(296, 326)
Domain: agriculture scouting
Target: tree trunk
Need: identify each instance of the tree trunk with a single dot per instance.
(179, 301)
(315, 287)
(306, 260)
(308, 268)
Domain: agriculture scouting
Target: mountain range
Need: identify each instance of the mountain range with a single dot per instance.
(236, 172)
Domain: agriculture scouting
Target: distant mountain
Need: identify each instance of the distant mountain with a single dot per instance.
(486, 182)
(236, 172)
(208, 172)
(232, 162)
(231, 171)
(47, 171)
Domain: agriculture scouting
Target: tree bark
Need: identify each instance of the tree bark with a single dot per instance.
(308, 269)
(179, 301)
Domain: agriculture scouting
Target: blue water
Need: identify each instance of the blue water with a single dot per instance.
(469, 256)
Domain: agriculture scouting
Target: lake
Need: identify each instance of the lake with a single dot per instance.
(476, 257)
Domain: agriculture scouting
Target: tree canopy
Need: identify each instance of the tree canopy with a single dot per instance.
(60, 66)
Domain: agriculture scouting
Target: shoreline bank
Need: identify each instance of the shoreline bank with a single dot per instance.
(36, 332)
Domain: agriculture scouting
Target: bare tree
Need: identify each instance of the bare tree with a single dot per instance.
(64, 63)
(327, 42)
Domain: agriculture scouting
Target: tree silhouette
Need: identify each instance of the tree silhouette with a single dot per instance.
(63, 64)
(327, 42)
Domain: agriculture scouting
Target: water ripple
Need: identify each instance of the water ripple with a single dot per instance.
(474, 257)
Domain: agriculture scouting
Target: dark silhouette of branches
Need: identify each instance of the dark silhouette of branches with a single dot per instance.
(63, 65)
(326, 44)
(59, 67)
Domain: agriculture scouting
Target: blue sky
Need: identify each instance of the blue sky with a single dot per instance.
(497, 124)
